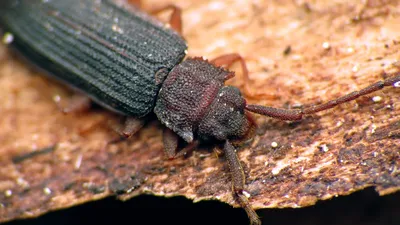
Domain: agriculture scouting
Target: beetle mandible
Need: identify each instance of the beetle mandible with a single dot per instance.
(132, 64)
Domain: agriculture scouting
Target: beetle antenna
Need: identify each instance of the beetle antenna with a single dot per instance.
(297, 114)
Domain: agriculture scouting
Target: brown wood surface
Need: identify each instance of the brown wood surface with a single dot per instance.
(303, 52)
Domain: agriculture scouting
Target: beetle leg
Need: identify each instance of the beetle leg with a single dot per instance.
(186, 150)
(76, 104)
(238, 182)
(137, 3)
(228, 60)
(175, 20)
(297, 114)
(170, 140)
(130, 127)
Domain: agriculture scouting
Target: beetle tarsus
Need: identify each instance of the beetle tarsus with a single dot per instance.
(186, 150)
(238, 182)
(244, 203)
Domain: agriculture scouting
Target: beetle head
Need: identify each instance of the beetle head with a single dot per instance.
(227, 118)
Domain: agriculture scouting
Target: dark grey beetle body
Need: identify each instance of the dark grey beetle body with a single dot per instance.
(117, 57)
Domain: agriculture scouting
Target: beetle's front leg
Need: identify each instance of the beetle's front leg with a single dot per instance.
(238, 182)
(228, 60)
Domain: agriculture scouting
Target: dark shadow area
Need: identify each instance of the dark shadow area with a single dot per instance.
(364, 207)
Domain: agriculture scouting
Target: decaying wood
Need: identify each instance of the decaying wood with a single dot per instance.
(301, 52)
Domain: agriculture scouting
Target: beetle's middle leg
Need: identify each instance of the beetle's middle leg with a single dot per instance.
(170, 140)
(78, 103)
(130, 127)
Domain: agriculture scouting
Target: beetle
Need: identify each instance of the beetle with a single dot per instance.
(130, 63)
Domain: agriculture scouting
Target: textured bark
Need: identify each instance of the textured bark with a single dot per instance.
(302, 52)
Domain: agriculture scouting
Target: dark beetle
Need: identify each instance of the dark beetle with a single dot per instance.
(130, 63)
(107, 52)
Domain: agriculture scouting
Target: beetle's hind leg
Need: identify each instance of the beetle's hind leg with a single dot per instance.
(136, 3)
(175, 20)
(78, 103)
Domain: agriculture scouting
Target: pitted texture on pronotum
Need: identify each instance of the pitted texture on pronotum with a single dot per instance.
(187, 93)
(226, 119)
